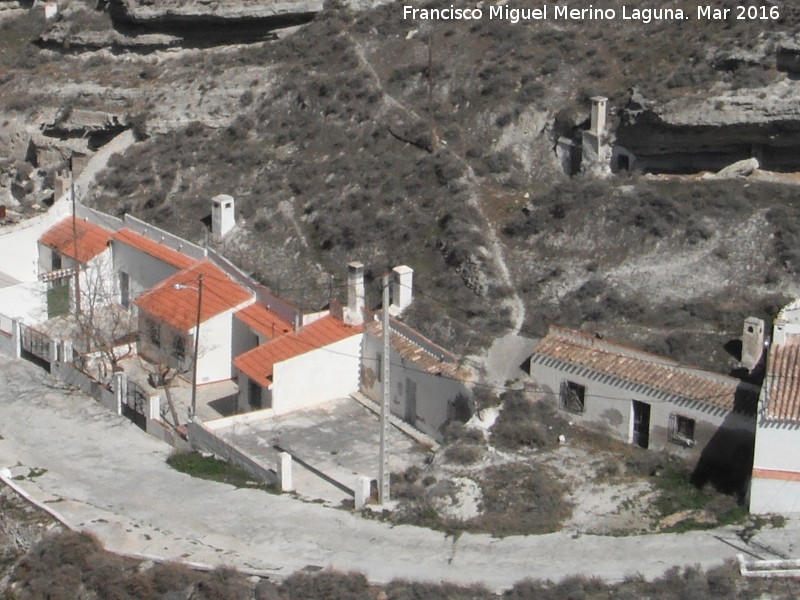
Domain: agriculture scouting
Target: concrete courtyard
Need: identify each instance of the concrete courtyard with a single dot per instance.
(339, 440)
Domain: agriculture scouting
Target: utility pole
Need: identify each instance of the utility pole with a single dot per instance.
(75, 238)
(196, 345)
(383, 467)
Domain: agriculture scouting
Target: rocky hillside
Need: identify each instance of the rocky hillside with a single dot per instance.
(363, 135)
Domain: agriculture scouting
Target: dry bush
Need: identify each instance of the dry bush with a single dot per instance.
(525, 424)
(326, 585)
(521, 499)
(413, 590)
(463, 453)
(223, 583)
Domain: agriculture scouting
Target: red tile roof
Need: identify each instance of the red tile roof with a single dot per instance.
(178, 307)
(783, 381)
(92, 239)
(154, 249)
(264, 321)
(656, 372)
(258, 363)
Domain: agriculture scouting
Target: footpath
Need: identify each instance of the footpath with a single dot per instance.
(100, 473)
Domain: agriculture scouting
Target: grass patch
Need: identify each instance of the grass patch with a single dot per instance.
(704, 508)
(214, 469)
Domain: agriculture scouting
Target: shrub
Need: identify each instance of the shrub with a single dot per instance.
(463, 453)
(522, 423)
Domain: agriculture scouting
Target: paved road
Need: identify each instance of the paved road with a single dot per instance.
(106, 476)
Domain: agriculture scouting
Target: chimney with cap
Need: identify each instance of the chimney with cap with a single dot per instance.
(402, 292)
(223, 218)
(354, 315)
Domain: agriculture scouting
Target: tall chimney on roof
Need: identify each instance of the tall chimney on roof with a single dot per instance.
(599, 110)
(354, 315)
(223, 217)
(402, 293)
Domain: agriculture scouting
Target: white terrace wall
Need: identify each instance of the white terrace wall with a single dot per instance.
(775, 487)
(202, 437)
(608, 407)
(317, 376)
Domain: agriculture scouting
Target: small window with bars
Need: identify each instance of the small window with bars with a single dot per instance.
(573, 397)
(681, 430)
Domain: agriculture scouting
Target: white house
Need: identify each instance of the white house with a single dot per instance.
(75, 247)
(428, 386)
(168, 314)
(304, 368)
(775, 485)
(653, 402)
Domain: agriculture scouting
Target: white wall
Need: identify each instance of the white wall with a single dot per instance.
(317, 376)
(27, 301)
(435, 395)
(215, 362)
(608, 407)
(775, 451)
(19, 243)
(215, 349)
(144, 270)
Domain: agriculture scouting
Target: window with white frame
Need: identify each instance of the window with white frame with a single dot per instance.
(573, 397)
(681, 430)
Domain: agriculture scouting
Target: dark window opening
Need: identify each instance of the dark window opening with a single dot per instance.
(179, 347)
(573, 397)
(681, 430)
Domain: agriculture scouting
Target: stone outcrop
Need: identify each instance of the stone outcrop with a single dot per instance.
(741, 168)
(207, 11)
(694, 134)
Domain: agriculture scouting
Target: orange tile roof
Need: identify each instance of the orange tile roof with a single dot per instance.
(264, 321)
(153, 248)
(258, 363)
(783, 381)
(562, 347)
(178, 307)
(92, 239)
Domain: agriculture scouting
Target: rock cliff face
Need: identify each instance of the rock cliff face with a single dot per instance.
(693, 134)
(171, 14)
(161, 11)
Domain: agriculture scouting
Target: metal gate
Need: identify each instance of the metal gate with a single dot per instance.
(35, 346)
(134, 405)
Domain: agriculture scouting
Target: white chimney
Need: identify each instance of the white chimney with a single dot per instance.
(354, 315)
(752, 341)
(402, 293)
(223, 217)
(598, 126)
(50, 10)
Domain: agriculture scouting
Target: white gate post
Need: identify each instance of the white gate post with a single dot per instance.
(120, 389)
(16, 338)
(362, 491)
(285, 472)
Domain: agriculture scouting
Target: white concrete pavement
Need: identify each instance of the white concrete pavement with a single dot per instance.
(106, 476)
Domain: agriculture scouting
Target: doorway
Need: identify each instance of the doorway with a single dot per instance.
(411, 401)
(641, 424)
